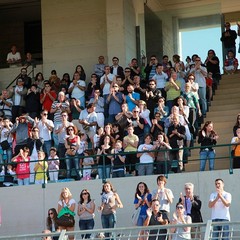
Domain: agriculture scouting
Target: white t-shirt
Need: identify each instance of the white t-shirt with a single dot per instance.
(15, 56)
(17, 95)
(164, 203)
(106, 88)
(219, 210)
(145, 158)
(44, 132)
(76, 92)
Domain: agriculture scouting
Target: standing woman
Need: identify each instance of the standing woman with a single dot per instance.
(207, 137)
(72, 143)
(66, 200)
(86, 209)
(142, 199)
(110, 202)
(51, 221)
(180, 218)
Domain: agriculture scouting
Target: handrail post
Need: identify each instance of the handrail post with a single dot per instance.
(103, 170)
(231, 160)
(62, 235)
(208, 230)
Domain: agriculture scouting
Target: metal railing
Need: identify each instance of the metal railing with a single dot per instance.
(228, 156)
(199, 231)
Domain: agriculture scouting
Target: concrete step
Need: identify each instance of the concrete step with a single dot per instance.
(235, 96)
(228, 112)
(226, 100)
(216, 107)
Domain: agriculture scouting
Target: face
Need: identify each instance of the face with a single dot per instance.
(115, 61)
(130, 130)
(70, 130)
(130, 88)
(41, 156)
(188, 191)
(79, 69)
(23, 71)
(50, 214)
(175, 121)
(35, 131)
(136, 79)
(107, 187)
(174, 75)
(107, 139)
(100, 131)
(180, 101)
(115, 87)
(127, 72)
(5, 94)
(107, 70)
(159, 69)
(47, 87)
(118, 145)
(160, 138)
(153, 60)
(141, 187)
(135, 112)
(219, 185)
(44, 114)
(119, 81)
(209, 127)
(148, 140)
(61, 97)
(155, 206)
(161, 183)
(152, 85)
(85, 194)
(64, 116)
(101, 59)
(76, 76)
(180, 209)
(134, 62)
(65, 194)
(52, 153)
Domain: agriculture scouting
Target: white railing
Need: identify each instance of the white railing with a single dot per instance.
(203, 231)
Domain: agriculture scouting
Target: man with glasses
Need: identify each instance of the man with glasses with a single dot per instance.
(152, 96)
(105, 83)
(99, 67)
(155, 216)
(127, 79)
(220, 202)
(200, 73)
(228, 39)
(150, 69)
(115, 68)
(45, 127)
(60, 131)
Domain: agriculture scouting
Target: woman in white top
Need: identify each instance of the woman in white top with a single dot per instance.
(179, 218)
(66, 200)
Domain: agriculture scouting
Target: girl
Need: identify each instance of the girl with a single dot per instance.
(207, 137)
(110, 202)
(51, 221)
(40, 169)
(53, 165)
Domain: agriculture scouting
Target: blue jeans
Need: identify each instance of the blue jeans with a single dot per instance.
(86, 225)
(202, 98)
(70, 161)
(141, 220)
(25, 181)
(207, 155)
(119, 173)
(46, 146)
(109, 221)
(218, 229)
(106, 173)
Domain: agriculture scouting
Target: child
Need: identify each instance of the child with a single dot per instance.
(23, 168)
(230, 64)
(118, 161)
(40, 169)
(87, 163)
(53, 164)
(83, 143)
(96, 138)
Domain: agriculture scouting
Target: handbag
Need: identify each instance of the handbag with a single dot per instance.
(65, 218)
(71, 152)
(5, 145)
(135, 215)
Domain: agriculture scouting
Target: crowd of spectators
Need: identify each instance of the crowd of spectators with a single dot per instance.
(137, 119)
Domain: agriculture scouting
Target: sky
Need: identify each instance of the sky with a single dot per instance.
(200, 41)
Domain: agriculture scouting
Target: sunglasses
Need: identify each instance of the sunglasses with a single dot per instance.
(45, 114)
(152, 59)
(135, 111)
(85, 193)
(127, 71)
(51, 213)
(179, 207)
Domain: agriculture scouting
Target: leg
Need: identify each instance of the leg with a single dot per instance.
(149, 170)
(100, 171)
(46, 147)
(20, 182)
(68, 166)
(203, 158)
(76, 165)
(225, 234)
(211, 157)
(202, 96)
(89, 225)
(141, 169)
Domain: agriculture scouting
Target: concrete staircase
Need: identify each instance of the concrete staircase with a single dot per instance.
(223, 114)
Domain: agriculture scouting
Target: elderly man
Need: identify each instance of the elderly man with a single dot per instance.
(6, 105)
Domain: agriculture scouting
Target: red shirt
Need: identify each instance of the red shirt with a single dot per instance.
(47, 104)
(209, 82)
(22, 170)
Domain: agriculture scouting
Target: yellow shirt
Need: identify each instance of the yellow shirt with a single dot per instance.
(39, 173)
(132, 139)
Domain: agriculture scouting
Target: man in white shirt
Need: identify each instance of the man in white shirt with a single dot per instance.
(219, 202)
(14, 57)
(105, 83)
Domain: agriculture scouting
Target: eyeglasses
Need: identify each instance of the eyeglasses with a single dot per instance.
(136, 111)
(84, 193)
(179, 207)
(51, 213)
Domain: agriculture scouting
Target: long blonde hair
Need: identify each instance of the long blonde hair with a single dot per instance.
(68, 191)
